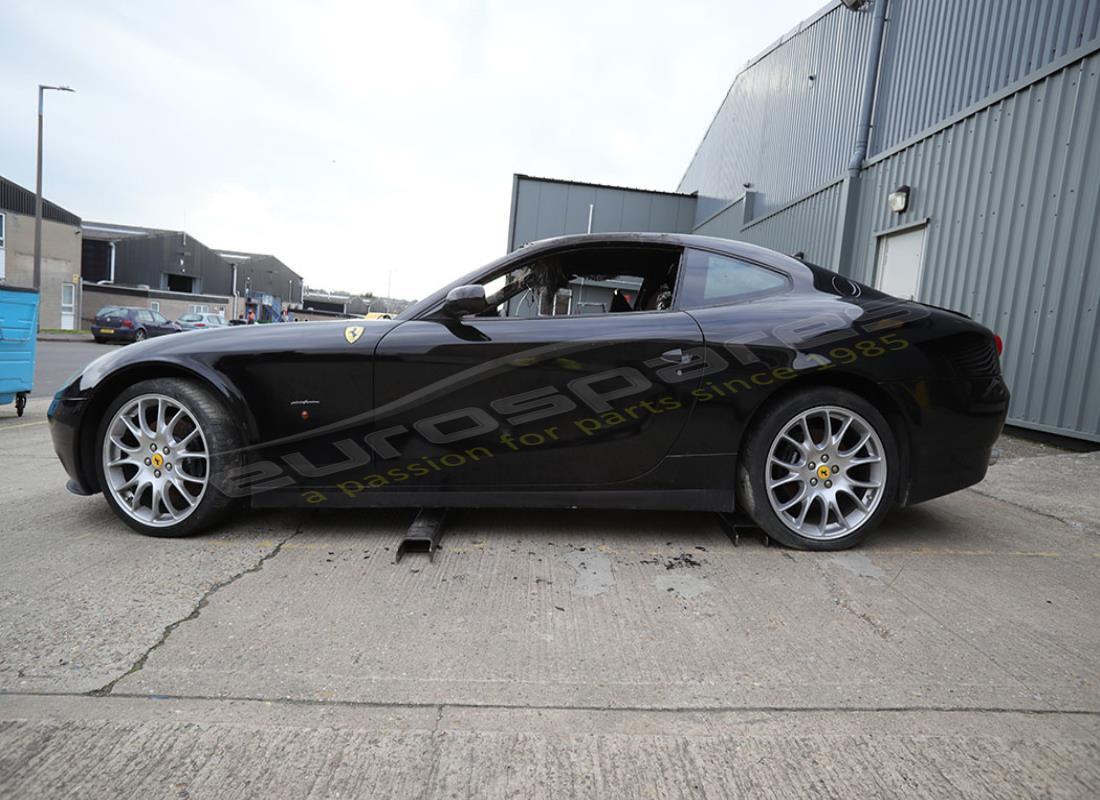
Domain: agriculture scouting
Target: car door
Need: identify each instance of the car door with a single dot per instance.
(162, 323)
(145, 320)
(480, 402)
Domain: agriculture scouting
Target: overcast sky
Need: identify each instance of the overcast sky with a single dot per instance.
(362, 142)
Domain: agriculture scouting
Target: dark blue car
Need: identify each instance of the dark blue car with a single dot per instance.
(125, 324)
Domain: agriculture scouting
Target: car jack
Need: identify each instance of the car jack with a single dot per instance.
(424, 534)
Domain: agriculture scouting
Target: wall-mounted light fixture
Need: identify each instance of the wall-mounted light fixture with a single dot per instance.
(899, 199)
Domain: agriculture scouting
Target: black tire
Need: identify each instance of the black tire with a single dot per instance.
(219, 431)
(752, 493)
(99, 340)
(20, 404)
(139, 335)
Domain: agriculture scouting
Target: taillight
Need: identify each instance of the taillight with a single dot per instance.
(127, 323)
(999, 343)
(200, 324)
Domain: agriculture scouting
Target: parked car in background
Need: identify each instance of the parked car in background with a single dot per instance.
(190, 322)
(125, 324)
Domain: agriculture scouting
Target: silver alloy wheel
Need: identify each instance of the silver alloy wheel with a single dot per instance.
(156, 460)
(826, 472)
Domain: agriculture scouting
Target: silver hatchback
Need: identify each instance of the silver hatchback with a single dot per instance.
(194, 321)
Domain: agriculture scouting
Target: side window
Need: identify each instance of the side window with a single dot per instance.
(713, 279)
(160, 318)
(145, 316)
(590, 280)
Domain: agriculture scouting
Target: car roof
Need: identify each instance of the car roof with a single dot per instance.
(732, 246)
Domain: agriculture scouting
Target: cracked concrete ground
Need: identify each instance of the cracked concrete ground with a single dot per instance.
(562, 654)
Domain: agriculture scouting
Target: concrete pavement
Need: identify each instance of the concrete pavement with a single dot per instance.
(550, 654)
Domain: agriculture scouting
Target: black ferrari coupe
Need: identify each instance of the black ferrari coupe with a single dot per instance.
(637, 371)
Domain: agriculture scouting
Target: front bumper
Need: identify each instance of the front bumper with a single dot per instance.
(65, 416)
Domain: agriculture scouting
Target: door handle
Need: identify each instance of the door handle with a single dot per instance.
(676, 356)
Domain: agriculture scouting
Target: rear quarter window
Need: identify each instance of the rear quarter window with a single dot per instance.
(711, 279)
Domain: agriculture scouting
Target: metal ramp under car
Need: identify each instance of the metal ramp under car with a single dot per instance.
(424, 533)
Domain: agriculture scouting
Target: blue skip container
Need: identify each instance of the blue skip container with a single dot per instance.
(18, 337)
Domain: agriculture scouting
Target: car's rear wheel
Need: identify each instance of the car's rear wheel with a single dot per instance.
(99, 339)
(819, 471)
(164, 445)
(139, 335)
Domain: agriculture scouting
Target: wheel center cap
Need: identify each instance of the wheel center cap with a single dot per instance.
(823, 472)
(158, 460)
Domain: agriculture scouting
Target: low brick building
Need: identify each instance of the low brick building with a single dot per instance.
(59, 304)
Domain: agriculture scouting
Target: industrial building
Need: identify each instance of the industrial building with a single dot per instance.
(89, 265)
(944, 151)
(174, 273)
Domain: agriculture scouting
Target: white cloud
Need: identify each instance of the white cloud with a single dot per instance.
(363, 142)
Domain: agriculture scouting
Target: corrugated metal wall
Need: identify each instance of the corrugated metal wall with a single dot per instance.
(941, 57)
(727, 223)
(1012, 195)
(18, 200)
(543, 207)
(808, 225)
(777, 129)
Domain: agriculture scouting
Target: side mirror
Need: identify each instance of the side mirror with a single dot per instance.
(465, 300)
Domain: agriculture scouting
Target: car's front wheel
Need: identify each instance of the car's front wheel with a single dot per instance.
(820, 470)
(163, 445)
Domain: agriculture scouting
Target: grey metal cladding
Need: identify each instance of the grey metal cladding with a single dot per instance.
(808, 225)
(726, 223)
(543, 208)
(18, 200)
(941, 57)
(1012, 197)
(779, 130)
(145, 260)
(787, 135)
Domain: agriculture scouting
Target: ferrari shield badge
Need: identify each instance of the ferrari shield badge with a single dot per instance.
(353, 332)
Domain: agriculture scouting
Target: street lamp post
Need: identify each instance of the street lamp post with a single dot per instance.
(38, 190)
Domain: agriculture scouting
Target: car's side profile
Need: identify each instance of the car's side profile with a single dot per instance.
(128, 324)
(637, 371)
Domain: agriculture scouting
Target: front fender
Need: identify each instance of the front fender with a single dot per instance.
(81, 405)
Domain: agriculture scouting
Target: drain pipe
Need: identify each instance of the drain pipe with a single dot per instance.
(844, 242)
(870, 84)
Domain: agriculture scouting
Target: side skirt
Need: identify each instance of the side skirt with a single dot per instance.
(643, 500)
